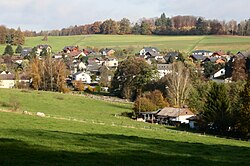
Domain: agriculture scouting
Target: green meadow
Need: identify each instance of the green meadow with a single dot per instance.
(79, 130)
(182, 43)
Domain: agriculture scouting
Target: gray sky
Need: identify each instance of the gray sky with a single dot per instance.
(57, 14)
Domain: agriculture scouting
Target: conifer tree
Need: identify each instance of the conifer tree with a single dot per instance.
(244, 120)
(8, 50)
(18, 49)
(217, 108)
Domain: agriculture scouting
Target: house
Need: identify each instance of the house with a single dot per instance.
(149, 52)
(8, 80)
(82, 76)
(210, 59)
(40, 47)
(81, 66)
(170, 114)
(202, 52)
(69, 49)
(218, 53)
(107, 51)
(164, 69)
(171, 55)
(26, 51)
(111, 62)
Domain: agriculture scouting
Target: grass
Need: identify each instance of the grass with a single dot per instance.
(182, 43)
(83, 131)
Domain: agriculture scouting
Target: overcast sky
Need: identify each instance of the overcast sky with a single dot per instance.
(56, 14)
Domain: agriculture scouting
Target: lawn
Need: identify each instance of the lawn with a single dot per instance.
(82, 131)
(182, 43)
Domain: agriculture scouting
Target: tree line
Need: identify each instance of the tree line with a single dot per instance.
(11, 36)
(163, 25)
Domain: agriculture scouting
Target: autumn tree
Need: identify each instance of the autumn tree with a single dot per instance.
(124, 26)
(109, 27)
(18, 37)
(178, 84)
(145, 28)
(3, 34)
(239, 69)
(136, 29)
(95, 28)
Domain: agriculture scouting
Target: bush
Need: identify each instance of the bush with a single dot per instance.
(144, 105)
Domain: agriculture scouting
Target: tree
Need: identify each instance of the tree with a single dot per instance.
(244, 120)
(109, 27)
(136, 29)
(210, 68)
(145, 28)
(178, 84)
(150, 101)
(3, 34)
(8, 50)
(130, 77)
(18, 49)
(18, 37)
(95, 28)
(124, 26)
(200, 26)
(217, 108)
(239, 69)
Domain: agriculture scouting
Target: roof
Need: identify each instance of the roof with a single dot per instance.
(201, 51)
(198, 57)
(245, 54)
(26, 51)
(7, 76)
(150, 113)
(211, 59)
(151, 49)
(174, 112)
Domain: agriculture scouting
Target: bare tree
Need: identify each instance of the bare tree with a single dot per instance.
(178, 84)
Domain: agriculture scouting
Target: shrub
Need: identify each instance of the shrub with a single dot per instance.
(144, 105)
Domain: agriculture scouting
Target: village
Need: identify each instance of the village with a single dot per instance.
(95, 70)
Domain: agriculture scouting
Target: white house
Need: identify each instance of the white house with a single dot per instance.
(8, 80)
(82, 76)
(220, 73)
(164, 69)
(111, 62)
(82, 66)
(151, 51)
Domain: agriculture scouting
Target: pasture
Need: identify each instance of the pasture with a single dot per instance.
(182, 43)
(79, 130)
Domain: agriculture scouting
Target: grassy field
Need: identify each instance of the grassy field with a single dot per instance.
(182, 43)
(83, 131)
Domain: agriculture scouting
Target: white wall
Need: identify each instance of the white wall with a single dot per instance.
(7, 83)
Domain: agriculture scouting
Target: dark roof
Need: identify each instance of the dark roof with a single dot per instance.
(7, 76)
(151, 49)
(211, 59)
(171, 54)
(201, 51)
(198, 57)
(26, 51)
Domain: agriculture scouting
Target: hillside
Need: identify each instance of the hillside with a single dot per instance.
(82, 131)
(182, 43)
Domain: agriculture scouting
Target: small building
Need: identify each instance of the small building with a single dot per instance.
(39, 48)
(26, 51)
(69, 49)
(170, 114)
(202, 52)
(82, 76)
(149, 52)
(149, 116)
(107, 51)
(193, 122)
(111, 62)
(164, 69)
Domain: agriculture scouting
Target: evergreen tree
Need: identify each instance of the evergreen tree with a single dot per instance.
(8, 50)
(145, 28)
(18, 49)
(136, 29)
(217, 108)
(244, 120)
